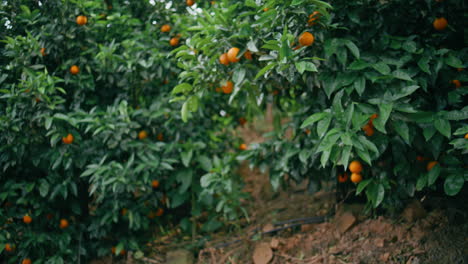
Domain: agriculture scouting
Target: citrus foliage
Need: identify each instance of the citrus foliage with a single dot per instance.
(86, 128)
(377, 81)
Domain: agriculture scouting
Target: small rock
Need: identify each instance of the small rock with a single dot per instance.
(267, 227)
(345, 221)
(384, 257)
(307, 227)
(379, 242)
(414, 211)
(274, 244)
(262, 254)
(179, 256)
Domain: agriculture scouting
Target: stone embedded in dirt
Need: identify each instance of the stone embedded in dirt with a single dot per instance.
(345, 221)
(379, 242)
(274, 244)
(179, 256)
(414, 211)
(308, 227)
(262, 254)
(384, 257)
(267, 227)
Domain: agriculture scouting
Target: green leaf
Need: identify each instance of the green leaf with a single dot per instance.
(422, 182)
(358, 65)
(322, 126)
(185, 178)
(453, 184)
(423, 64)
(402, 75)
(360, 85)
(313, 118)
(385, 111)
(433, 174)
(454, 62)
(353, 48)
(381, 67)
(403, 130)
(362, 185)
(252, 46)
(182, 88)
(184, 111)
(238, 76)
(44, 188)
(302, 66)
(205, 163)
(265, 69)
(186, 157)
(443, 126)
(297, 2)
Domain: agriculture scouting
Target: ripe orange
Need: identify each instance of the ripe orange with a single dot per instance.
(374, 116)
(218, 89)
(155, 184)
(142, 135)
(74, 70)
(49, 216)
(342, 177)
(122, 252)
(248, 55)
(227, 89)
(124, 211)
(243, 146)
(63, 223)
(306, 39)
(466, 136)
(26, 261)
(313, 18)
(166, 28)
(113, 250)
(460, 69)
(440, 23)
(356, 178)
(81, 20)
(159, 212)
(355, 167)
(43, 53)
(151, 215)
(232, 54)
(8, 247)
(431, 165)
(27, 219)
(307, 131)
(190, 2)
(420, 158)
(266, 9)
(160, 137)
(368, 130)
(275, 92)
(457, 83)
(68, 139)
(223, 59)
(242, 121)
(174, 42)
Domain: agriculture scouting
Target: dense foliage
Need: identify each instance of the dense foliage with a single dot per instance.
(116, 117)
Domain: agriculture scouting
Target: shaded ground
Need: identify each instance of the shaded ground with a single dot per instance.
(425, 233)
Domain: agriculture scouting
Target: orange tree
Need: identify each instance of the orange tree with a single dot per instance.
(377, 82)
(91, 153)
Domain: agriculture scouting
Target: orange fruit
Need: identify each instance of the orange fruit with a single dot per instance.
(159, 212)
(49, 216)
(26, 261)
(122, 252)
(142, 135)
(457, 83)
(355, 166)
(275, 92)
(248, 55)
(466, 136)
(343, 177)
(63, 223)
(356, 178)
(368, 130)
(227, 89)
(420, 158)
(151, 215)
(266, 9)
(27, 219)
(174, 42)
(113, 250)
(68, 139)
(232, 54)
(313, 18)
(160, 137)
(166, 28)
(81, 20)
(242, 121)
(374, 116)
(431, 165)
(8, 247)
(243, 146)
(306, 39)
(74, 70)
(223, 59)
(43, 53)
(124, 211)
(440, 23)
(155, 184)
(307, 131)
(460, 69)
(190, 2)
(218, 89)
